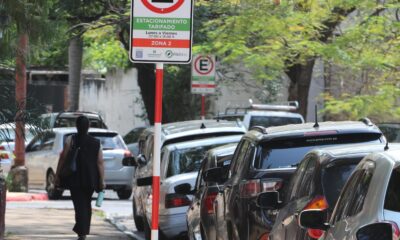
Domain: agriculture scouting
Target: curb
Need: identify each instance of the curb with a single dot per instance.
(26, 197)
(122, 228)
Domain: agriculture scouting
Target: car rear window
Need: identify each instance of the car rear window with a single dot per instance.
(392, 199)
(285, 153)
(270, 121)
(188, 160)
(340, 173)
(71, 122)
(108, 141)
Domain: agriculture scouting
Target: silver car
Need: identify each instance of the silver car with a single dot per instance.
(369, 205)
(43, 152)
(179, 165)
(172, 133)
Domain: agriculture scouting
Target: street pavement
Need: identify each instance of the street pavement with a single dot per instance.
(54, 219)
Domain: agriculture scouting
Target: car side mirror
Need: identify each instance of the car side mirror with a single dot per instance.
(214, 175)
(129, 162)
(269, 200)
(141, 160)
(382, 229)
(314, 219)
(184, 188)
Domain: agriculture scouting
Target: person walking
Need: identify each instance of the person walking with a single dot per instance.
(88, 176)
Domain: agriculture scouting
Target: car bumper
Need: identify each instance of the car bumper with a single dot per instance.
(173, 225)
(120, 177)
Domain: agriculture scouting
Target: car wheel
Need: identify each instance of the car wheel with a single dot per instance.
(124, 194)
(52, 192)
(138, 220)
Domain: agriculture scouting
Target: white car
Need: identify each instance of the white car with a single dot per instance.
(44, 150)
(265, 115)
(7, 136)
(180, 164)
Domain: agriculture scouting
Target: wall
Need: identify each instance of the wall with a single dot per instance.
(117, 98)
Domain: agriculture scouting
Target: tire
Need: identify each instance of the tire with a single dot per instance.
(124, 194)
(52, 192)
(137, 219)
(147, 230)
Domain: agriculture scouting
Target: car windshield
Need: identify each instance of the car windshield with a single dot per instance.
(188, 159)
(71, 122)
(286, 153)
(270, 121)
(341, 174)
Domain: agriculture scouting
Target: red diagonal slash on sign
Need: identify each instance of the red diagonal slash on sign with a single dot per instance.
(155, 9)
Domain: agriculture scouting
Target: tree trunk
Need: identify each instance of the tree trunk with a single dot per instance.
(147, 84)
(75, 52)
(300, 81)
(20, 97)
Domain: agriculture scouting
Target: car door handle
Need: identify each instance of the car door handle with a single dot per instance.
(287, 220)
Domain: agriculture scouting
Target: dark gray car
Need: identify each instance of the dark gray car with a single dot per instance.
(200, 215)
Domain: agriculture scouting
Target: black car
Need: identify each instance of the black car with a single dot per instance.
(316, 184)
(264, 160)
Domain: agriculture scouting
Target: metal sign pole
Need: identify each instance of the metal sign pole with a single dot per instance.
(203, 106)
(157, 150)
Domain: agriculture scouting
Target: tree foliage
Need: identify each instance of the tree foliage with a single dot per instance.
(273, 39)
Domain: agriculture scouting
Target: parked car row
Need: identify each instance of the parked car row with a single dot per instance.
(256, 186)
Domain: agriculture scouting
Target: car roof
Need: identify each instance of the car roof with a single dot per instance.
(393, 153)
(223, 150)
(197, 127)
(298, 130)
(203, 142)
(357, 150)
(67, 130)
(72, 114)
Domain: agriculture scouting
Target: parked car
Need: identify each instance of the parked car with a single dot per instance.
(264, 160)
(200, 214)
(7, 136)
(172, 133)
(391, 131)
(316, 184)
(131, 139)
(265, 115)
(179, 165)
(369, 205)
(68, 119)
(43, 152)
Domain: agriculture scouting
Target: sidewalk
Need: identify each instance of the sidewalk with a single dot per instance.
(35, 224)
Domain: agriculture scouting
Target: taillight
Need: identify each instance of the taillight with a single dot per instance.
(2, 148)
(318, 202)
(251, 188)
(4, 156)
(174, 200)
(209, 202)
(395, 230)
(264, 236)
(127, 153)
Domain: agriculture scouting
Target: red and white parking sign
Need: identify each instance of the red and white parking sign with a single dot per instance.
(161, 31)
(203, 74)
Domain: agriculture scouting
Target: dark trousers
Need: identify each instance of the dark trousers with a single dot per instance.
(83, 209)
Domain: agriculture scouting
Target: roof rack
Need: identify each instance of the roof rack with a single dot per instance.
(279, 106)
(366, 121)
